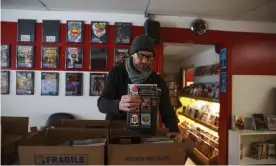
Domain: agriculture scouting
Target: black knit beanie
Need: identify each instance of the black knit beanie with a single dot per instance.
(141, 43)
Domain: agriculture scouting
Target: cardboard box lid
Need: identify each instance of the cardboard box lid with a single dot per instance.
(82, 123)
(14, 125)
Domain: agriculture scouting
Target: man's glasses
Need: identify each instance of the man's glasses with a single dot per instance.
(148, 57)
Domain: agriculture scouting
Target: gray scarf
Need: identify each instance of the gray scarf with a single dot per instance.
(135, 75)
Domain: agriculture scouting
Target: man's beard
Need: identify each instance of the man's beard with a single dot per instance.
(142, 67)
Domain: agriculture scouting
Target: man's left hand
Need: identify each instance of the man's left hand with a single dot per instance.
(175, 136)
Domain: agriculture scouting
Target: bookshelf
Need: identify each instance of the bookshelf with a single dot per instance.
(246, 138)
(199, 98)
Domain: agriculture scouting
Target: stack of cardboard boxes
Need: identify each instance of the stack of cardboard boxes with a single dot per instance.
(120, 146)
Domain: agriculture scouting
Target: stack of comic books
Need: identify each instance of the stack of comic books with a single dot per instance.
(144, 118)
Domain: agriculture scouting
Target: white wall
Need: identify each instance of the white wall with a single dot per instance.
(253, 94)
(171, 66)
(208, 57)
(38, 108)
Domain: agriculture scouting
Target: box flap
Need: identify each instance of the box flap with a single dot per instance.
(67, 123)
(15, 125)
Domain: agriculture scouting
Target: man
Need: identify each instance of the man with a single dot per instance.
(114, 100)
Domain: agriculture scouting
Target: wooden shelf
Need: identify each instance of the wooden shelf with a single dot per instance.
(202, 123)
(251, 161)
(200, 98)
(254, 132)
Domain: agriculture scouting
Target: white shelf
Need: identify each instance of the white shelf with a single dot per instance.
(254, 132)
(251, 161)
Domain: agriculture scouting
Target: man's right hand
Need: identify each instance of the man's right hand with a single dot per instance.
(129, 102)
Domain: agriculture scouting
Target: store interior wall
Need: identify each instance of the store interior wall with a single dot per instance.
(39, 108)
(253, 94)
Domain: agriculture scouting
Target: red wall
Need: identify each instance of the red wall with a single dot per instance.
(189, 75)
(9, 36)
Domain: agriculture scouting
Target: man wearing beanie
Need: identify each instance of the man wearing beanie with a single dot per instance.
(114, 100)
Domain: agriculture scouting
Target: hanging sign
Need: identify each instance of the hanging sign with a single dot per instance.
(223, 58)
(223, 77)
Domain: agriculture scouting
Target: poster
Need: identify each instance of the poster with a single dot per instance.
(5, 77)
(24, 83)
(75, 31)
(99, 32)
(74, 58)
(122, 33)
(223, 58)
(97, 82)
(50, 57)
(25, 56)
(49, 83)
(120, 54)
(73, 84)
(223, 81)
(5, 56)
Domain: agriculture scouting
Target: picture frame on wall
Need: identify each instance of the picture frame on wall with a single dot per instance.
(26, 29)
(50, 57)
(74, 32)
(25, 56)
(50, 31)
(49, 83)
(123, 33)
(98, 58)
(74, 58)
(24, 83)
(5, 56)
(97, 82)
(74, 84)
(5, 82)
(99, 32)
(120, 54)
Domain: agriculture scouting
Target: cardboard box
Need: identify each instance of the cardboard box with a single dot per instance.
(144, 154)
(43, 147)
(69, 123)
(13, 129)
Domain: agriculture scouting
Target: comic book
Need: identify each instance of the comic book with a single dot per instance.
(24, 83)
(5, 79)
(99, 32)
(25, 56)
(50, 57)
(49, 83)
(120, 54)
(122, 33)
(144, 118)
(5, 56)
(74, 58)
(97, 81)
(75, 31)
(98, 58)
(73, 84)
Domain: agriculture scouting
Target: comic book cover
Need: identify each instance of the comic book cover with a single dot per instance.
(120, 54)
(99, 32)
(49, 83)
(74, 58)
(146, 115)
(73, 84)
(97, 81)
(24, 83)
(5, 79)
(5, 56)
(25, 56)
(50, 57)
(122, 33)
(75, 31)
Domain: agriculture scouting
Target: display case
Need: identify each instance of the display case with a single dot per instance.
(199, 122)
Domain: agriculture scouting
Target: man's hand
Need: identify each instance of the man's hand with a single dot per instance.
(175, 136)
(129, 102)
